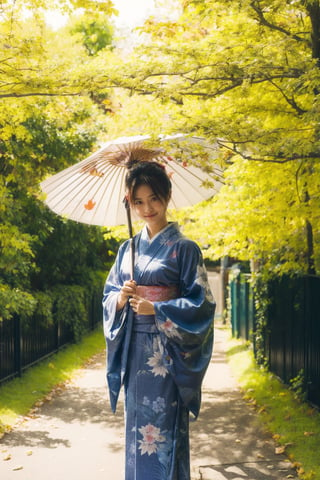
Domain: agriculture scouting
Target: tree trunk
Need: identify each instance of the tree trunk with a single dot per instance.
(313, 8)
(310, 251)
(309, 229)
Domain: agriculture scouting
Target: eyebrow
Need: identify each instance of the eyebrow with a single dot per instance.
(149, 196)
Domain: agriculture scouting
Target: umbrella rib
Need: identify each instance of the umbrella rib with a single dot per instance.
(194, 175)
(115, 190)
(188, 193)
(82, 184)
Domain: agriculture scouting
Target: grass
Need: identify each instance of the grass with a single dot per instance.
(19, 396)
(294, 424)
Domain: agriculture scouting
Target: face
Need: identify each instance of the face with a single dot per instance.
(150, 208)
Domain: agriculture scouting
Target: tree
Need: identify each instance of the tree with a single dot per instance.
(95, 33)
(50, 136)
(43, 129)
(246, 76)
(36, 61)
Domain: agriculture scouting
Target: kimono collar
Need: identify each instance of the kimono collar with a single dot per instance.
(145, 236)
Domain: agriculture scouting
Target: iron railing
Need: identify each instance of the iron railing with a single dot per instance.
(24, 343)
(291, 329)
(241, 307)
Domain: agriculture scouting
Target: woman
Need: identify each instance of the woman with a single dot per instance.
(159, 331)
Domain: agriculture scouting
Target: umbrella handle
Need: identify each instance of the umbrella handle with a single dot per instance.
(131, 258)
(132, 252)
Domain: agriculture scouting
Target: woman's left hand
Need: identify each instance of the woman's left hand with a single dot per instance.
(141, 306)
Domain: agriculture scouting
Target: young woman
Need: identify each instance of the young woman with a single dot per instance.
(159, 332)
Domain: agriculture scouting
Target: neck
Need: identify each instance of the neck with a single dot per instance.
(154, 229)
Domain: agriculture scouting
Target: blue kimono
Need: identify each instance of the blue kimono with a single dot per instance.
(160, 359)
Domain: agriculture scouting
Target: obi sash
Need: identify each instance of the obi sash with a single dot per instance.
(157, 293)
(153, 293)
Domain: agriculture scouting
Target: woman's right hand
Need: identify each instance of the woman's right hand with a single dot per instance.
(127, 290)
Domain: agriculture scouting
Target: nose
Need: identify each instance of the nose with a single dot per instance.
(149, 207)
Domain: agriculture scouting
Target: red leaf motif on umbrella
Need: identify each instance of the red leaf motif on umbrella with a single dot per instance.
(95, 172)
(90, 205)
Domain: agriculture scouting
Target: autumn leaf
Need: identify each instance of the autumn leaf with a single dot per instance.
(90, 205)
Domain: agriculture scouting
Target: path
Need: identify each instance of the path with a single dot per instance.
(76, 437)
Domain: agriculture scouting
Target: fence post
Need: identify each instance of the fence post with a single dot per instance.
(17, 346)
(234, 292)
(223, 286)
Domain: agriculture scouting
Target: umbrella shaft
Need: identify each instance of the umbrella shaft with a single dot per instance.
(126, 203)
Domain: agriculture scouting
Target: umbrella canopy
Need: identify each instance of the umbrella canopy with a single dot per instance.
(92, 190)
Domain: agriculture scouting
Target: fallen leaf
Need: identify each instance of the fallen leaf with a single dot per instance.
(7, 457)
(311, 412)
(29, 452)
(280, 450)
(308, 434)
(18, 467)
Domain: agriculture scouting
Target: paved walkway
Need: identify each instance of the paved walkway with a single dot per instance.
(76, 437)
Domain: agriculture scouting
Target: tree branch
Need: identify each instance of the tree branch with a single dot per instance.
(279, 160)
(37, 94)
(291, 101)
(263, 21)
(267, 159)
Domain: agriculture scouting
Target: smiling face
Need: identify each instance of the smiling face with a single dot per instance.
(149, 191)
(150, 208)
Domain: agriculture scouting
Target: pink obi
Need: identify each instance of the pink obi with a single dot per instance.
(155, 293)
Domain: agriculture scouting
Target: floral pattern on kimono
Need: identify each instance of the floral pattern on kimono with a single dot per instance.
(161, 359)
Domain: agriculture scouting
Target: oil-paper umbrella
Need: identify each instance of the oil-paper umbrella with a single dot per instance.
(92, 191)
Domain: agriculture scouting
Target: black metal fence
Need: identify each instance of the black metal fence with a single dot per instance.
(292, 341)
(292, 329)
(24, 343)
(242, 307)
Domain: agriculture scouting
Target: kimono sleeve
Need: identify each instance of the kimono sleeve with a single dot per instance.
(115, 324)
(186, 325)
(113, 319)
